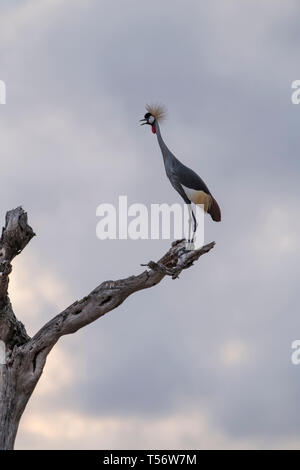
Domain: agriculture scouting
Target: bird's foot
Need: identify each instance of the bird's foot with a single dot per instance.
(189, 245)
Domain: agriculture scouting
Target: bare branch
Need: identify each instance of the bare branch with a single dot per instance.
(185, 260)
(110, 294)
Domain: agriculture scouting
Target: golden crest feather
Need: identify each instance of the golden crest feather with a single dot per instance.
(157, 110)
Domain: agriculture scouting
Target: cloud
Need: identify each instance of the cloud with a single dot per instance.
(65, 430)
(36, 292)
(233, 353)
(181, 431)
(56, 379)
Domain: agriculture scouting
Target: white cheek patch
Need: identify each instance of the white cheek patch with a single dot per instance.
(151, 119)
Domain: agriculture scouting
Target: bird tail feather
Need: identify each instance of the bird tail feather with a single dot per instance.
(214, 210)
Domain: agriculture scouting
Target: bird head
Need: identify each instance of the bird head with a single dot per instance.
(149, 119)
(154, 114)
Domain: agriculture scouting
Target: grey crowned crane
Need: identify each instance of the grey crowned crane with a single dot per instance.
(186, 182)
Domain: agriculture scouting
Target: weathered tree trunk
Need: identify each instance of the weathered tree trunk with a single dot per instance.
(18, 379)
(13, 397)
(12, 406)
(22, 358)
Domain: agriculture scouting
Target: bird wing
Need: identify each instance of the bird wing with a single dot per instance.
(192, 188)
(190, 179)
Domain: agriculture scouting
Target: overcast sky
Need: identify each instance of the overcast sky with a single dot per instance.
(204, 361)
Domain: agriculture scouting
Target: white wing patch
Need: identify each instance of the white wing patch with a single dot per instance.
(198, 197)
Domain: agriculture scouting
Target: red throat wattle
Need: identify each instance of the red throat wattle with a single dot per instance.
(153, 130)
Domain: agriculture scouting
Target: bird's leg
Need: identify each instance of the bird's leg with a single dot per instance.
(190, 222)
(189, 244)
(195, 225)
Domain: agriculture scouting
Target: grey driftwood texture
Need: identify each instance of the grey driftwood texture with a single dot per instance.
(22, 358)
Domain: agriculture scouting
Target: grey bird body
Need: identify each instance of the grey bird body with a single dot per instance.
(179, 175)
(184, 180)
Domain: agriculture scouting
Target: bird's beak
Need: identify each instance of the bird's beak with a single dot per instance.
(143, 123)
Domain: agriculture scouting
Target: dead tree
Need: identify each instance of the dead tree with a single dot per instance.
(22, 358)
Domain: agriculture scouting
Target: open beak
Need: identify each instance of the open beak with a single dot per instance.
(143, 123)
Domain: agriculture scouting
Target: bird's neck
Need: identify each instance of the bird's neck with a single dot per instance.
(164, 149)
